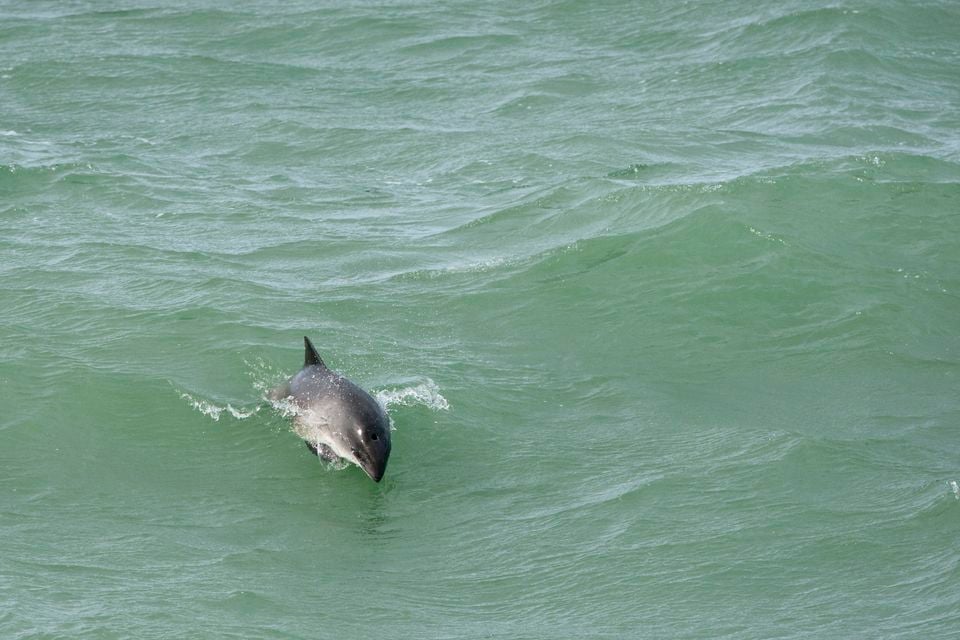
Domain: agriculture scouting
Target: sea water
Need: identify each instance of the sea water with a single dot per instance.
(663, 300)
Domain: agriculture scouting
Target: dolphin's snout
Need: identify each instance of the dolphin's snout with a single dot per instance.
(376, 475)
(373, 465)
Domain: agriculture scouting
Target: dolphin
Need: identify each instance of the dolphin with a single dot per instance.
(335, 417)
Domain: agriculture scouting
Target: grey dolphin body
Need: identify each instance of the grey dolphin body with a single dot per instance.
(335, 417)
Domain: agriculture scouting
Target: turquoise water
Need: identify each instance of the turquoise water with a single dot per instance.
(663, 300)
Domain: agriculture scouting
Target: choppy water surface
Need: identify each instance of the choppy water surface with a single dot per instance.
(662, 300)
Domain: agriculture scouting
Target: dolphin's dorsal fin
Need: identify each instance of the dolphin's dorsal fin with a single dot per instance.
(311, 357)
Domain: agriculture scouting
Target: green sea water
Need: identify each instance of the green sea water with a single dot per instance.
(663, 300)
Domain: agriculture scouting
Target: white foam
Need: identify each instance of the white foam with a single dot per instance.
(426, 393)
(956, 489)
(215, 411)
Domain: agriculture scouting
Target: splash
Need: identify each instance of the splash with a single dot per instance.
(426, 393)
(215, 411)
(955, 486)
(285, 406)
(263, 375)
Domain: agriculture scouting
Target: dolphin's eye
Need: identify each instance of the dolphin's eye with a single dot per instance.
(374, 436)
